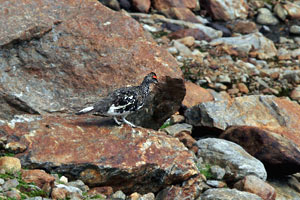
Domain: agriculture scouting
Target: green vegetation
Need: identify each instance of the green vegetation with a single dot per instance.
(205, 170)
(27, 189)
(8, 154)
(165, 125)
(159, 34)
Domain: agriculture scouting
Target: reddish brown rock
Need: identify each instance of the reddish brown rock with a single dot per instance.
(59, 55)
(293, 9)
(266, 126)
(243, 26)
(194, 32)
(100, 153)
(256, 186)
(184, 14)
(106, 190)
(195, 95)
(39, 177)
(166, 4)
(226, 10)
(187, 140)
(141, 5)
(190, 189)
(59, 193)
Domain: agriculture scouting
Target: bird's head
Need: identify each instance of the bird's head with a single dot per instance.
(150, 78)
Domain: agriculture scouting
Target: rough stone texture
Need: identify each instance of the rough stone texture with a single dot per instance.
(256, 186)
(99, 153)
(254, 43)
(227, 194)
(190, 189)
(165, 4)
(279, 154)
(196, 33)
(59, 193)
(177, 128)
(283, 190)
(195, 95)
(226, 9)
(243, 26)
(181, 14)
(230, 156)
(266, 17)
(293, 9)
(141, 5)
(39, 177)
(10, 164)
(276, 121)
(106, 190)
(59, 55)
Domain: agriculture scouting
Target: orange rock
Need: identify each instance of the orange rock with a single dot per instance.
(255, 185)
(165, 4)
(39, 177)
(195, 95)
(59, 193)
(141, 5)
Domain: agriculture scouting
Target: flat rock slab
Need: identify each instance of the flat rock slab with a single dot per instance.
(58, 55)
(102, 154)
(266, 126)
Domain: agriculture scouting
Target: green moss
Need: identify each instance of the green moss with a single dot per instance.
(165, 125)
(205, 170)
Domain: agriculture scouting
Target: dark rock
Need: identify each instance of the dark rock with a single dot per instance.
(100, 154)
(125, 4)
(113, 4)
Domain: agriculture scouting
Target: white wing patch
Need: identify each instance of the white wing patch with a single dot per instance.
(86, 109)
(113, 110)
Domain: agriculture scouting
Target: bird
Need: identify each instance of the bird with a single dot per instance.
(123, 101)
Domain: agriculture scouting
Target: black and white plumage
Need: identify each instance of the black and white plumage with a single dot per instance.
(123, 101)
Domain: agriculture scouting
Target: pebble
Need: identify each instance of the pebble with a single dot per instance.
(11, 183)
(63, 179)
(266, 17)
(119, 194)
(217, 172)
(216, 183)
(295, 29)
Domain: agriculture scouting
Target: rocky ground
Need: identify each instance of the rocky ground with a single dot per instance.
(223, 122)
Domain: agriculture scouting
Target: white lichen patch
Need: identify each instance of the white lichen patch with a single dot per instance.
(22, 118)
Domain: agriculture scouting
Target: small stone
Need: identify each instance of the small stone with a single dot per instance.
(2, 181)
(59, 193)
(275, 75)
(106, 190)
(13, 194)
(79, 184)
(11, 183)
(217, 172)
(172, 50)
(216, 184)
(15, 147)
(233, 91)
(119, 194)
(283, 40)
(266, 17)
(219, 86)
(141, 5)
(187, 140)
(177, 119)
(224, 78)
(10, 164)
(63, 179)
(148, 196)
(184, 50)
(280, 11)
(177, 128)
(295, 94)
(187, 41)
(243, 88)
(135, 196)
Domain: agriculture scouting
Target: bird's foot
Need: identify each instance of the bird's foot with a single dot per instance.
(117, 122)
(129, 123)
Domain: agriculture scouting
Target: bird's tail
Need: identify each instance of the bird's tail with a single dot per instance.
(85, 110)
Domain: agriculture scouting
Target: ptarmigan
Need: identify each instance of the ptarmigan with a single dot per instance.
(123, 101)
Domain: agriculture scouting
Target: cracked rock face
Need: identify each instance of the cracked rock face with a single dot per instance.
(99, 153)
(58, 55)
(266, 126)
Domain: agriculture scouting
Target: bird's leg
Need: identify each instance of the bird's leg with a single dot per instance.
(117, 122)
(127, 122)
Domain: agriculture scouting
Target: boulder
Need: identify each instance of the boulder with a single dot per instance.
(40, 178)
(100, 153)
(226, 10)
(227, 194)
(60, 55)
(256, 186)
(267, 120)
(230, 156)
(254, 43)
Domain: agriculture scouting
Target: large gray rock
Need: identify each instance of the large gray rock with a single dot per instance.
(227, 194)
(266, 17)
(237, 162)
